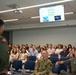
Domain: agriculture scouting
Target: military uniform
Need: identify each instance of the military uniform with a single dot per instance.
(4, 56)
(43, 66)
(72, 63)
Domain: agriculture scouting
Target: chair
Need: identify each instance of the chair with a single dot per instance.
(59, 68)
(17, 64)
(54, 58)
(63, 67)
(29, 65)
(55, 69)
(32, 58)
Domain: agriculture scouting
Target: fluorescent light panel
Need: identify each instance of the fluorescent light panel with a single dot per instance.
(10, 20)
(68, 13)
(35, 17)
(45, 4)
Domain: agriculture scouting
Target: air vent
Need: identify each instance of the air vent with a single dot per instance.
(13, 6)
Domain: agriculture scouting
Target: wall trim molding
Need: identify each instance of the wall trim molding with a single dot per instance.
(42, 25)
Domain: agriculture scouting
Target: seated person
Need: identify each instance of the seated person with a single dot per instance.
(23, 55)
(75, 52)
(14, 55)
(51, 50)
(71, 62)
(63, 53)
(59, 49)
(43, 66)
(39, 55)
(69, 46)
(70, 53)
(33, 51)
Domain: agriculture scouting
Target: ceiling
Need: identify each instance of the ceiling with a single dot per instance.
(25, 17)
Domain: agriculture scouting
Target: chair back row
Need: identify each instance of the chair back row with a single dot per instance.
(29, 65)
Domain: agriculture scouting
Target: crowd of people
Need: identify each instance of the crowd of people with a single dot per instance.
(21, 53)
(43, 64)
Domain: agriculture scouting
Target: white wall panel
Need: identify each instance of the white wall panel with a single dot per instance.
(64, 35)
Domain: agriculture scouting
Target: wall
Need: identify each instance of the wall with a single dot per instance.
(54, 35)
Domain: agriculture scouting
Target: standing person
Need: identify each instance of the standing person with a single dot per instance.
(4, 56)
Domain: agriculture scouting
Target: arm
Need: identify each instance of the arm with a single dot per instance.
(59, 56)
(18, 55)
(36, 67)
(59, 62)
(63, 62)
(25, 57)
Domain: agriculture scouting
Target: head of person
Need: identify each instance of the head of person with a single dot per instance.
(14, 51)
(60, 46)
(73, 49)
(69, 46)
(44, 47)
(64, 48)
(44, 54)
(70, 49)
(73, 52)
(33, 47)
(23, 50)
(9, 45)
(26, 45)
(51, 46)
(55, 47)
(41, 49)
(47, 45)
(23, 46)
(38, 46)
(17, 46)
(1, 26)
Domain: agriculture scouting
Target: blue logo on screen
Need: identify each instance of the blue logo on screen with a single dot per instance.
(45, 19)
(58, 17)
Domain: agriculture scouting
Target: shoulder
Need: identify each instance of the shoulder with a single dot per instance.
(72, 59)
(40, 60)
(62, 52)
(1, 36)
(36, 51)
(3, 39)
(68, 60)
(49, 61)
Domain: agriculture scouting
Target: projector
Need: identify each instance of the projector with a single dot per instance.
(18, 11)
